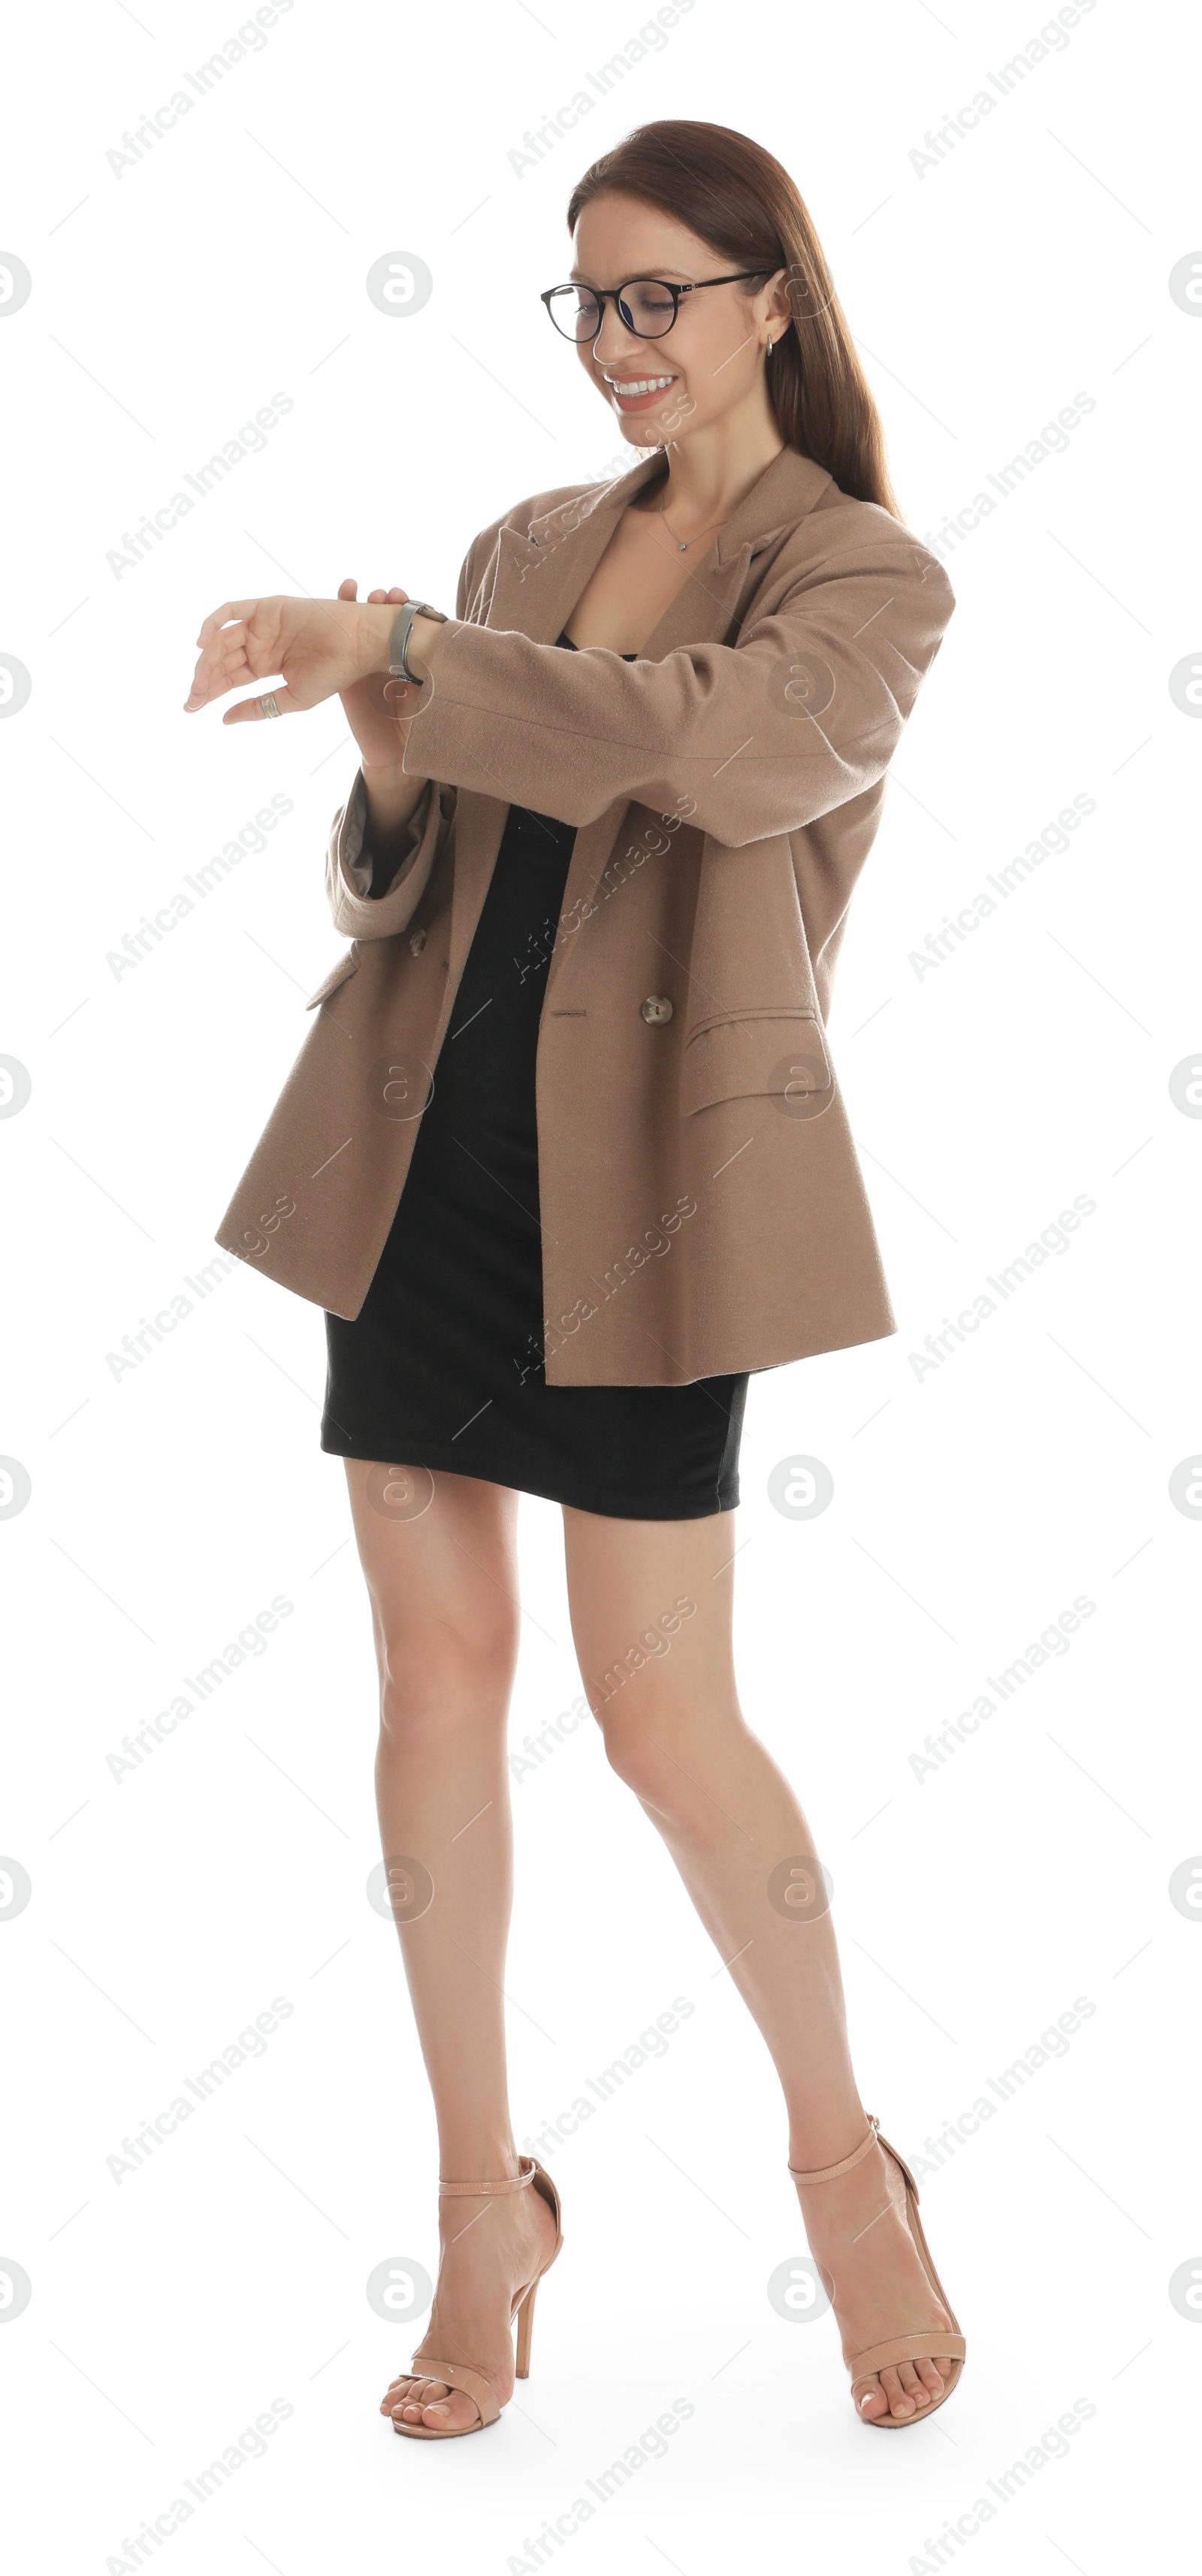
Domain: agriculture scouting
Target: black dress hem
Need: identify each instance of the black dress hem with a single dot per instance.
(618, 1507)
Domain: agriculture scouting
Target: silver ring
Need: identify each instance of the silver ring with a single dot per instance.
(269, 706)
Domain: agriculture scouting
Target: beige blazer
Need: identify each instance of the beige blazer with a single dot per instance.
(702, 1205)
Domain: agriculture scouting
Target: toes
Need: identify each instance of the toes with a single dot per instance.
(431, 2402)
(452, 2411)
(903, 2390)
(870, 2399)
(408, 2396)
(400, 2391)
(423, 2392)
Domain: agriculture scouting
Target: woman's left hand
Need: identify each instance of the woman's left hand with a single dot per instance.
(321, 647)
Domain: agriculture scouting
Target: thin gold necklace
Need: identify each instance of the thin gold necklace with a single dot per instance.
(682, 544)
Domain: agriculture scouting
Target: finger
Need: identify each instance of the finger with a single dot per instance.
(396, 597)
(229, 662)
(231, 608)
(227, 647)
(223, 665)
(253, 711)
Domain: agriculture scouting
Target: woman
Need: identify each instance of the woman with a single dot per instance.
(564, 1158)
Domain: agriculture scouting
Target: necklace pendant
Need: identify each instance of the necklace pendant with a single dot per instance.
(685, 547)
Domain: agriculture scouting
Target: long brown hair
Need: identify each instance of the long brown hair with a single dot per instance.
(744, 205)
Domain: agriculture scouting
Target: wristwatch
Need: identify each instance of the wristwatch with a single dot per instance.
(398, 642)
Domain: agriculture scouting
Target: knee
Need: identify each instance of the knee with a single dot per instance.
(443, 1678)
(680, 1760)
(641, 1735)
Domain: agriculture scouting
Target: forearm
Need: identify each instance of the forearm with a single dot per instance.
(392, 793)
(727, 729)
(392, 798)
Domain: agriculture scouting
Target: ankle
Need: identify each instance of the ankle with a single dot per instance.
(492, 2158)
(818, 2140)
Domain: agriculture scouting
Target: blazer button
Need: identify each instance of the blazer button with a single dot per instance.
(417, 942)
(657, 1007)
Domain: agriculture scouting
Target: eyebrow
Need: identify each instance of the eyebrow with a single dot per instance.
(669, 276)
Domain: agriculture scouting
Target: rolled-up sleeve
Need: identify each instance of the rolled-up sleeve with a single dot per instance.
(762, 736)
(356, 911)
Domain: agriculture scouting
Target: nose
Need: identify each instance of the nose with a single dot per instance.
(615, 344)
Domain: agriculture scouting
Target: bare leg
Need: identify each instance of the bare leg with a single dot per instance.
(443, 1592)
(675, 1732)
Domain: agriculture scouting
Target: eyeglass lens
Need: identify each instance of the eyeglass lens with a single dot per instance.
(645, 306)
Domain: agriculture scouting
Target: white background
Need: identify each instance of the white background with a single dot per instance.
(971, 1506)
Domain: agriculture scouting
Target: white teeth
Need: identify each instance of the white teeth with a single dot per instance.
(645, 385)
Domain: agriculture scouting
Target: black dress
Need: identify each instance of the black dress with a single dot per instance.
(443, 1366)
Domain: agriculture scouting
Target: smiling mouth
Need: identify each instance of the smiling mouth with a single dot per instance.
(635, 388)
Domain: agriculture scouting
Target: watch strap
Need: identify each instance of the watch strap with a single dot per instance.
(398, 642)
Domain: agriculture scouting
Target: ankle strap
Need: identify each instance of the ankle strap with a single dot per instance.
(826, 2173)
(488, 2190)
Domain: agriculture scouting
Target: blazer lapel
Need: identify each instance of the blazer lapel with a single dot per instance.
(540, 571)
(700, 613)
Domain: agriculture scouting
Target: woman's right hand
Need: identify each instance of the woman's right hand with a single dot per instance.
(374, 707)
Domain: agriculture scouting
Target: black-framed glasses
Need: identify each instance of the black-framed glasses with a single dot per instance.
(647, 305)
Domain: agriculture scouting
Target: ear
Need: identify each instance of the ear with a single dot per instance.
(773, 303)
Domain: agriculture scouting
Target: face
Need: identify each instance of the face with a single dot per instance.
(712, 359)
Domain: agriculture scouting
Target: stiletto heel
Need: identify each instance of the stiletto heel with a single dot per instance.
(525, 2330)
(459, 2374)
(931, 2341)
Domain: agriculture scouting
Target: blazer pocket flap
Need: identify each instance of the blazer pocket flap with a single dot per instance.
(781, 1053)
(330, 983)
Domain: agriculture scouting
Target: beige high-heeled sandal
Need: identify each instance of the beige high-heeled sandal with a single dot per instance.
(458, 2374)
(930, 2341)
